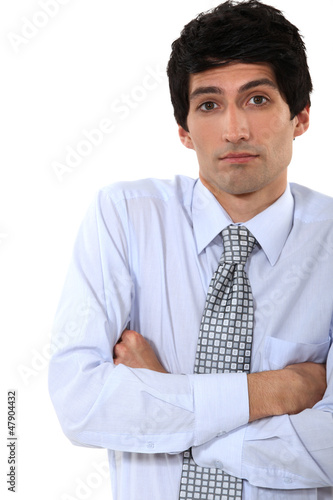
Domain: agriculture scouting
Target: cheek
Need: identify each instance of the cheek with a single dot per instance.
(281, 152)
(273, 128)
(202, 141)
(277, 136)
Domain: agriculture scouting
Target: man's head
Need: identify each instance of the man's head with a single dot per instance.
(247, 32)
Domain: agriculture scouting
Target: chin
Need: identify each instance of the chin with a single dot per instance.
(238, 190)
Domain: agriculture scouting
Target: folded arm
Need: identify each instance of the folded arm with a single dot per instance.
(288, 391)
(288, 443)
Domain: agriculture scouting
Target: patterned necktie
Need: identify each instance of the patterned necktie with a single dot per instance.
(224, 345)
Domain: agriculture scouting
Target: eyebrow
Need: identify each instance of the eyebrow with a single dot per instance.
(257, 83)
(244, 88)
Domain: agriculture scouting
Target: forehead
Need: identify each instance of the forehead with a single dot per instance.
(232, 76)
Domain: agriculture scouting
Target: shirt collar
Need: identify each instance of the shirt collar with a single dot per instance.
(270, 227)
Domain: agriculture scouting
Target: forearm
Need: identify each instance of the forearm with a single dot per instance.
(297, 448)
(287, 391)
(138, 410)
(284, 452)
(270, 393)
(293, 450)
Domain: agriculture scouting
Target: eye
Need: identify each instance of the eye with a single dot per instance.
(208, 106)
(258, 100)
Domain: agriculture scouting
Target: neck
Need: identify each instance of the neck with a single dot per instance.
(243, 207)
(241, 211)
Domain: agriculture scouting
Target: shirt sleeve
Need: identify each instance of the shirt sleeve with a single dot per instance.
(102, 405)
(284, 452)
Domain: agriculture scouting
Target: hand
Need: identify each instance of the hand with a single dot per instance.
(134, 350)
(288, 391)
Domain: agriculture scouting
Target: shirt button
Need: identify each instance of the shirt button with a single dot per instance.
(150, 445)
(288, 480)
(218, 464)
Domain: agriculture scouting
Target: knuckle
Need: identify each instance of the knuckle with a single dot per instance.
(126, 334)
(119, 350)
(131, 336)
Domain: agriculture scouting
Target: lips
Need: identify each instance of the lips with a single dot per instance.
(239, 157)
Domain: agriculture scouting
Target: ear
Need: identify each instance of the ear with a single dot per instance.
(185, 137)
(302, 121)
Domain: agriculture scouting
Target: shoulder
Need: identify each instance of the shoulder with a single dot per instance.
(310, 205)
(146, 200)
(178, 188)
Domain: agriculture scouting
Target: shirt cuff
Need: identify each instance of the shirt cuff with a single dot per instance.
(221, 404)
(224, 452)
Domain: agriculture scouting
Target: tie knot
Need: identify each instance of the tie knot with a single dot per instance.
(238, 244)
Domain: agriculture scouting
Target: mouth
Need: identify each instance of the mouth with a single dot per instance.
(238, 158)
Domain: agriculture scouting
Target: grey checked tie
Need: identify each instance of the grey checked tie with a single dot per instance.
(224, 345)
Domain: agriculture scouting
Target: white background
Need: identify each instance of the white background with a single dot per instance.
(60, 80)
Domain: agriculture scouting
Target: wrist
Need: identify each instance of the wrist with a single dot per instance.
(266, 394)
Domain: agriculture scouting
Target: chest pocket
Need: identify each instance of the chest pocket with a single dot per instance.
(281, 353)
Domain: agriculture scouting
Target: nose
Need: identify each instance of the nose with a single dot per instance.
(235, 125)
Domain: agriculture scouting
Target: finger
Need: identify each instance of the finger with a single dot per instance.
(116, 350)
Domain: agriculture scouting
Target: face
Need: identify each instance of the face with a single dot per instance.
(241, 129)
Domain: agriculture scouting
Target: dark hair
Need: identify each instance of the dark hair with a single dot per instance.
(247, 32)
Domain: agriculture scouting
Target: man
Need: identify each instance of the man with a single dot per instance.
(128, 325)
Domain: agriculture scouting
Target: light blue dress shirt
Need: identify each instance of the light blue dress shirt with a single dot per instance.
(143, 259)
